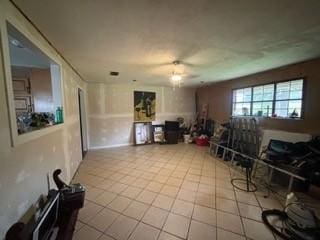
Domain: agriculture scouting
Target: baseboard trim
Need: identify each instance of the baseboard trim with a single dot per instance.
(110, 146)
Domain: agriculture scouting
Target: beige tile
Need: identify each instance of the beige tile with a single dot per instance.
(177, 225)
(128, 180)
(136, 210)
(229, 222)
(117, 176)
(186, 195)
(103, 219)
(221, 183)
(119, 204)
(207, 180)
(145, 232)
(135, 173)
(269, 203)
(188, 185)
(105, 184)
(176, 182)
(154, 186)
(169, 190)
(193, 178)
(226, 235)
(250, 211)
(78, 226)
(248, 198)
(86, 233)
(131, 192)
(92, 193)
(256, 230)
(155, 217)
(207, 200)
(204, 214)
(227, 205)
(105, 198)
(154, 169)
(201, 231)
(225, 193)
(140, 183)
(89, 211)
(105, 237)
(178, 174)
(148, 176)
(160, 178)
(208, 189)
(163, 202)
(182, 208)
(118, 187)
(105, 174)
(146, 197)
(122, 227)
(94, 180)
(167, 236)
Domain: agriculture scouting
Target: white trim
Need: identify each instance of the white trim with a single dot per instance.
(110, 146)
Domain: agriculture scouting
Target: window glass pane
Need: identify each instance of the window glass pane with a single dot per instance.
(294, 109)
(257, 93)
(246, 107)
(295, 104)
(268, 92)
(296, 85)
(247, 94)
(241, 109)
(294, 112)
(239, 95)
(257, 108)
(237, 109)
(295, 94)
(283, 90)
(282, 104)
(281, 112)
(267, 109)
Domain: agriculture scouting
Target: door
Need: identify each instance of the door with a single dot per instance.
(83, 122)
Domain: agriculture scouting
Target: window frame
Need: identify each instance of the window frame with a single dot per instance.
(18, 139)
(304, 80)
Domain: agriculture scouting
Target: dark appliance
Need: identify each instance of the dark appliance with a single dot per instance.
(172, 131)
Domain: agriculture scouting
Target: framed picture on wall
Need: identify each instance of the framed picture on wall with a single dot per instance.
(144, 106)
(142, 133)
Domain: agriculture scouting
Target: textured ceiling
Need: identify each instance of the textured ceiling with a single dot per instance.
(215, 39)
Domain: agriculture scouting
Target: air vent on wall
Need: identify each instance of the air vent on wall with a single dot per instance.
(114, 73)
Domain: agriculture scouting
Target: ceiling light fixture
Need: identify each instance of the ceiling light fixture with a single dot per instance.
(176, 77)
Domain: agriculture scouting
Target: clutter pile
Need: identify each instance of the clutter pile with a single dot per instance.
(295, 221)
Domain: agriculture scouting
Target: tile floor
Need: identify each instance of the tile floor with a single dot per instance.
(165, 192)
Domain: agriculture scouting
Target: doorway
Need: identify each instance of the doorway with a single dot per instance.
(83, 123)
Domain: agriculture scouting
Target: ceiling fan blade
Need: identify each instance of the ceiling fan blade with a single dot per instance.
(191, 76)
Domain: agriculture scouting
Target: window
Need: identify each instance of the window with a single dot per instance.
(35, 95)
(288, 101)
(283, 99)
(242, 101)
(262, 100)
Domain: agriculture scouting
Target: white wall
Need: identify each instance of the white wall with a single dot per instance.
(110, 109)
(23, 168)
